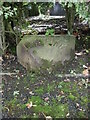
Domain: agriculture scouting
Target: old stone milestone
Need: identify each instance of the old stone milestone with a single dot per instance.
(35, 51)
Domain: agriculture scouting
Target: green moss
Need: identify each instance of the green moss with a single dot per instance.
(13, 106)
(81, 114)
(81, 62)
(56, 110)
(35, 100)
(46, 64)
(31, 77)
(35, 116)
(12, 102)
(45, 109)
(74, 89)
(50, 87)
(39, 90)
(22, 106)
(74, 85)
(64, 86)
(34, 43)
(72, 97)
(24, 116)
(84, 100)
(60, 110)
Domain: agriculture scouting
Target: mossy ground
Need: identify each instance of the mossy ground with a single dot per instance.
(30, 95)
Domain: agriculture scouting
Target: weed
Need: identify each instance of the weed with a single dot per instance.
(49, 32)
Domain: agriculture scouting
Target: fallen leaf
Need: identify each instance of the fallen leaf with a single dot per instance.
(76, 57)
(85, 72)
(29, 105)
(77, 105)
(1, 59)
(79, 54)
(80, 84)
(67, 115)
(80, 109)
(61, 93)
(84, 66)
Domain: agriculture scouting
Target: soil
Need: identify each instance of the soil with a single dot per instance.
(30, 94)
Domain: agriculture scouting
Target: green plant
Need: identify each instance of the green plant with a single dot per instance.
(9, 12)
(82, 10)
(49, 32)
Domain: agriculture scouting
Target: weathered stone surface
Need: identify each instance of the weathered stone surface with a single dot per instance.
(34, 51)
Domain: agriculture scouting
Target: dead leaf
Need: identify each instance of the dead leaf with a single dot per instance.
(79, 54)
(84, 66)
(85, 72)
(7, 56)
(29, 105)
(1, 59)
(61, 93)
(80, 109)
(77, 105)
(80, 84)
(67, 115)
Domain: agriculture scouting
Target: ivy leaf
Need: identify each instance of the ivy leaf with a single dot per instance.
(15, 9)
(6, 15)
(11, 14)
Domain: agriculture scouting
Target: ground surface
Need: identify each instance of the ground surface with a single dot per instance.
(46, 93)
